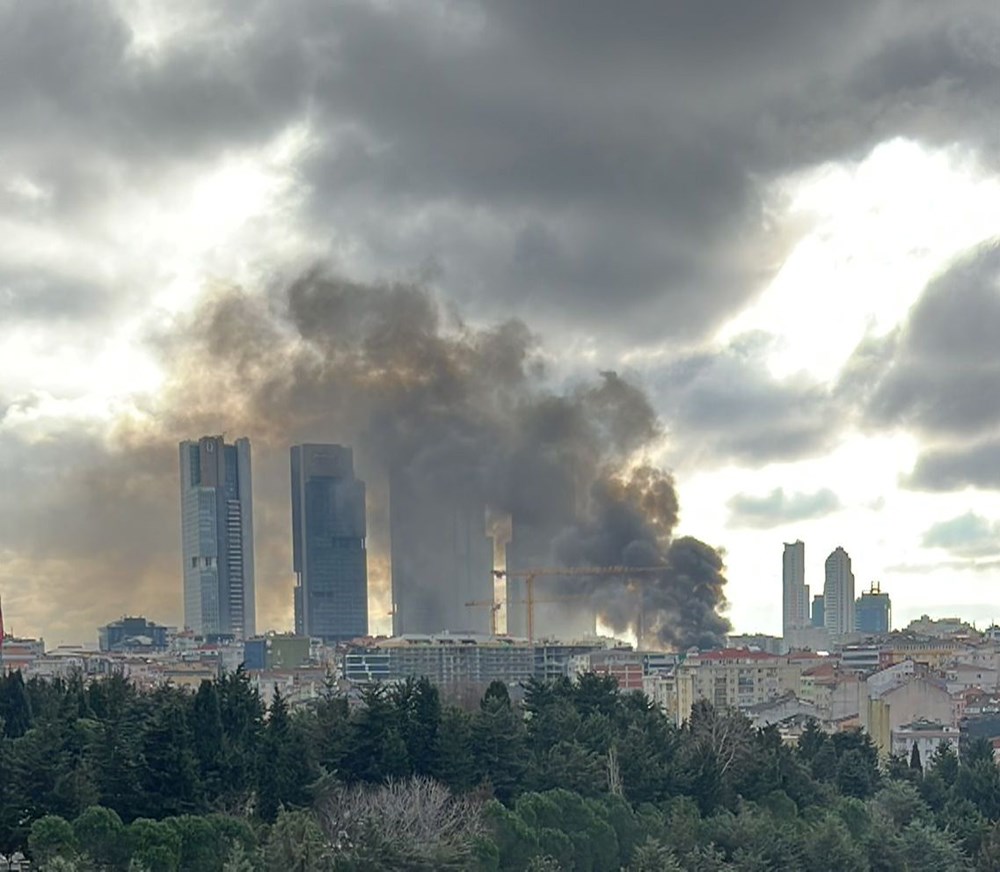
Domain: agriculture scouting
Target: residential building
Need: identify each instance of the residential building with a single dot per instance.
(17, 653)
(132, 634)
(217, 536)
(735, 678)
(446, 659)
(329, 554)
(901, 702)
(758, 641)
(940, 627)
(795, 592)
(926, 735)
(838, 595)
(277, 651)
(553, 659)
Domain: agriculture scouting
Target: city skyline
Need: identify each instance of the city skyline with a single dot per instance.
(427, 232)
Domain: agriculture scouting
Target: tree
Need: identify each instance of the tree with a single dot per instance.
(498, 742)
(654, 856)
(156, 845)
(855, 774)
(915, 763)
(51, 837)
(419, 707)
(15, 705)
(415, 823)
(169, 770)
(206, 729)
(376, 749)
(297, 844)
(102, 836)
(454, 763)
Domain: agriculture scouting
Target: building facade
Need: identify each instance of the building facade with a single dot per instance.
(129, 634)
(838, 594)
(329, 553)
(873, 611)
(795, 593)
(442, 558)
(447, 660)
(217, 537)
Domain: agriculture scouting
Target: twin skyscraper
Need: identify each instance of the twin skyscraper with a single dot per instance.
(328, 540)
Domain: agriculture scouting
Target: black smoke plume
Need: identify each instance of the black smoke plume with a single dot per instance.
(467, 414)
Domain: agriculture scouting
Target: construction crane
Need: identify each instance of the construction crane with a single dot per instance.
(530, 575)
(495, 606)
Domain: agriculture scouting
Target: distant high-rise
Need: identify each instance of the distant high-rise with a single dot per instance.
(838, 594)
(873, 611)
(794, 591)
(441, 558)
(217, 537)
(329, 555)
(818, 612)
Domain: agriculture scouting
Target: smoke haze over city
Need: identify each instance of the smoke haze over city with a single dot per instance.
(676, 283)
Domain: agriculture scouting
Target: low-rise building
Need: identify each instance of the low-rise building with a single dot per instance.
(133, 634)
(446, 659)
(734, 678)
(902, 702)
(926, 735)
(17, 653)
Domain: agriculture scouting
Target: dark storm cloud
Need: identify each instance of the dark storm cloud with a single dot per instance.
(603, 170)
(726, 405)
(779, 507)
(968, 535)
(551, 155)
(937, 376)
(943, 376)
(953, 467)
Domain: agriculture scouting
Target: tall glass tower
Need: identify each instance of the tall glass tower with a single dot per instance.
(329, 555)
(217, 537)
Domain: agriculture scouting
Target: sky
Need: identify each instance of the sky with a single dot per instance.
(778, 219)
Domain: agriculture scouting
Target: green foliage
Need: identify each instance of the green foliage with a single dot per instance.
(102, 836)
(103, 778)
(51, 836)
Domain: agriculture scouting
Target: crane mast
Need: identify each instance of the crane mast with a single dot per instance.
(530, 576)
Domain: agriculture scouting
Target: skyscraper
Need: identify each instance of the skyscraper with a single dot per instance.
(838, 594)
(329, 555)
(217, 536)
(873, 611)
(794, 591)
(441, 558)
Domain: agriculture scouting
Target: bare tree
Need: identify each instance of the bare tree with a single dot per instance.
(414, 823)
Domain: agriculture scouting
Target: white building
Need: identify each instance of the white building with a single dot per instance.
(795, 592)
(838, 594)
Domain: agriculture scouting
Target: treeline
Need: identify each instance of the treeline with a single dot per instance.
(100, 776)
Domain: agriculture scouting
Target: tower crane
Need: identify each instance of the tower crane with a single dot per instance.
(530, 575)
(495, 606)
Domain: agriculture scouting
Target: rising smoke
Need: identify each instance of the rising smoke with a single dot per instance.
(467, 414)
(89, 524)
